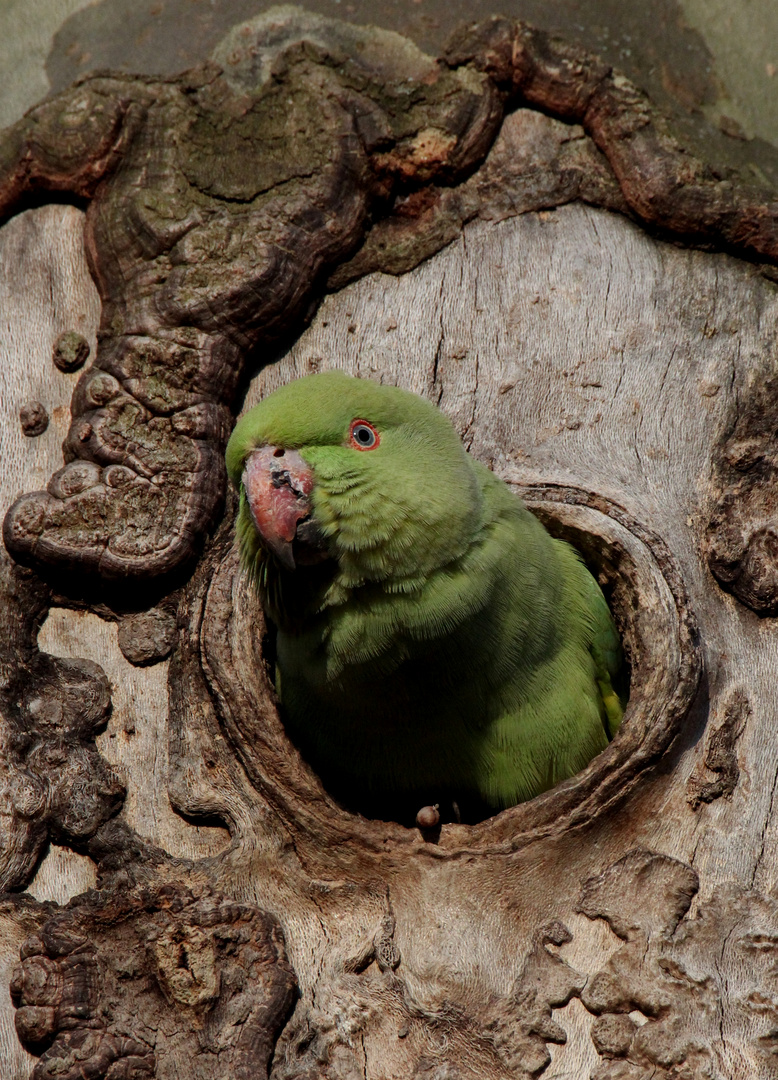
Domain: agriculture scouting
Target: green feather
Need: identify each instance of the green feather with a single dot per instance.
(450, 644)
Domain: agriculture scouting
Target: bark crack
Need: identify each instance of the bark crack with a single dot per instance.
(765, 827)
(437, 387)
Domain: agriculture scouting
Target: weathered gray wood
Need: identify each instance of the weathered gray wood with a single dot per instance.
(569, 349)
(631, 911)
(46, 290)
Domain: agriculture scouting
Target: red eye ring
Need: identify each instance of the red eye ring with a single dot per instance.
(362, 435)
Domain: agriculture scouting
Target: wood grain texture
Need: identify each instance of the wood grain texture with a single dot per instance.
(620, 926)
(218, 200)
(46, 289)
(570, 350)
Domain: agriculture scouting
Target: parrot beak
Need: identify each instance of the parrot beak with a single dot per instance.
(278, 484)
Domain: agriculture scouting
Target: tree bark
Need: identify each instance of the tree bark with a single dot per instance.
(227, 917)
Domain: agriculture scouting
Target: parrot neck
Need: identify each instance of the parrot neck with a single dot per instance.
(291, 599)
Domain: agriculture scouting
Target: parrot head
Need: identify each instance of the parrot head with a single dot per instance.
(352, 481)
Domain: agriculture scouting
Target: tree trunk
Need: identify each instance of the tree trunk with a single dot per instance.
(622, 925)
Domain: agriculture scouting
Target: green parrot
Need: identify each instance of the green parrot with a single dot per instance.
(434, 642)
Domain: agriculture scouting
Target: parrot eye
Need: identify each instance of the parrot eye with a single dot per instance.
(362, 435)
